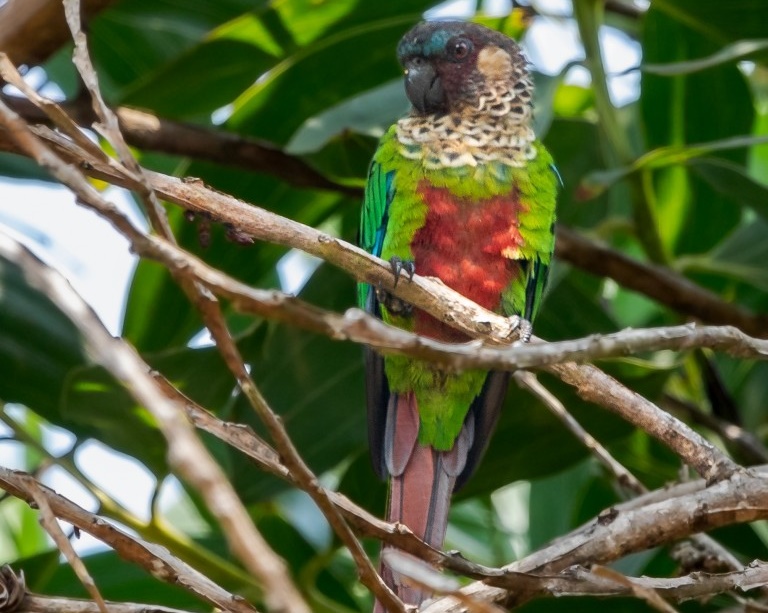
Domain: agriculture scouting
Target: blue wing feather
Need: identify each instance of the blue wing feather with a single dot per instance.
(379, 192)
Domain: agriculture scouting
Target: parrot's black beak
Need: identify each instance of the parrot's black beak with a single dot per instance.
(423, 87)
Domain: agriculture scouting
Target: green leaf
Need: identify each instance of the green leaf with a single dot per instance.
(739, 50)
(39, 345)
(369, 113)
(314, 383)
(133, 39)
(663, 157)
(674, 115)
(316, 69)
(744, 19)
(740, 256)
(733, 182)
(94, 404)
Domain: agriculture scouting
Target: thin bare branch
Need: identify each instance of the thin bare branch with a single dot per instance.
(625, 479)
(594, 385)
(33, 603)
(51, 526)
(643, 592)
(154, 559)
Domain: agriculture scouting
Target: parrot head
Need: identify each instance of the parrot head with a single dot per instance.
(453, 67)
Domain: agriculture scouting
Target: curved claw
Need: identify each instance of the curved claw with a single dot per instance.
(520, 327)
(399, 266)
(526, 330)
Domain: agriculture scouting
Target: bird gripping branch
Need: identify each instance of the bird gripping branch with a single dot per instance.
(462, 190)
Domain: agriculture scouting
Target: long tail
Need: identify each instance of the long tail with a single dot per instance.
(421, 483)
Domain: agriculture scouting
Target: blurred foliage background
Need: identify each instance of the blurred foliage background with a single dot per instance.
(677, 176)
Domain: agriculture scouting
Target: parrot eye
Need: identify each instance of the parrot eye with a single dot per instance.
(459, 49)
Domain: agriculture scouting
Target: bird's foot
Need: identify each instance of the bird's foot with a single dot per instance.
(400, 266)
(520, 327)
(392, 303)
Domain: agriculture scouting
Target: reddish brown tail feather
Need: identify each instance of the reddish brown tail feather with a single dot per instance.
(421, 483)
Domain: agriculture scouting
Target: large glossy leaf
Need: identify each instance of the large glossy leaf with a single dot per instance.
(315, 384)
(39, 346)
(733, 182)
(319, 76)
(744, 19)
(673, 114)
(135, 38)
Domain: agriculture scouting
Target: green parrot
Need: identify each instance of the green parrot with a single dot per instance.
(460, 189)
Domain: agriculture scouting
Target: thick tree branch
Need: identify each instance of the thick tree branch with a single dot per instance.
(630, 527)
(33, 30)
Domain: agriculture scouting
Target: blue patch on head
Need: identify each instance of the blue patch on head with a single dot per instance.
(423, 46)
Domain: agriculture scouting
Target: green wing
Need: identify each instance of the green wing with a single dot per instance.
(373, 224)
(537, 271)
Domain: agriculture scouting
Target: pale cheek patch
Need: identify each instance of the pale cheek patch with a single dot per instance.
(494, 63)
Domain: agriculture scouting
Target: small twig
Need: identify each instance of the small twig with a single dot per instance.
(109, 126)
(422, 575)
(51, 110)
(48, 521)
(643, 592)
(625, 479)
